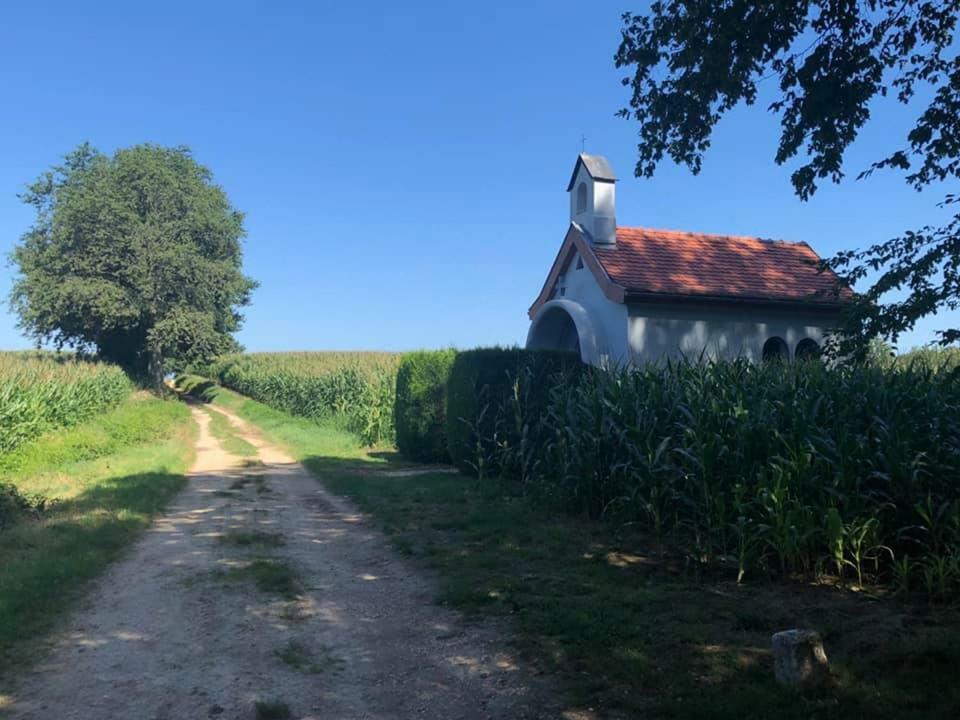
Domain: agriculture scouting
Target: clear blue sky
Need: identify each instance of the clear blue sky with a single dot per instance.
(402, 165)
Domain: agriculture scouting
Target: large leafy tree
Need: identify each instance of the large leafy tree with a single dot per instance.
(136, 255)
(691, 61)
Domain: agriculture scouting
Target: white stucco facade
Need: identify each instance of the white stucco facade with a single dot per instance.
(602, 324)
(614, 334)
(720, 332)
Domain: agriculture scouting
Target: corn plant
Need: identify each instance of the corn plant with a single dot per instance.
(355, 388)
(783, 468)
(40, 392)
(371, 414)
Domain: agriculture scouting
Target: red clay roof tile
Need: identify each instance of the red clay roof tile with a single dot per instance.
(683, 263)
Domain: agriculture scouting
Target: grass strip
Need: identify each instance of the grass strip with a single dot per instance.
(275, 709)
(244, 538)
(224, 431)
(270, 575)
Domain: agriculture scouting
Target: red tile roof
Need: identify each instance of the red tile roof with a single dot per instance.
(667, 262)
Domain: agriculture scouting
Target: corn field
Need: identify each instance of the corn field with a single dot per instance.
(937, 359)
(783, 469)
(355, 388)
(40, 392)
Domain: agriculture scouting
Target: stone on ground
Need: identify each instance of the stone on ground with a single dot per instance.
(799, 659)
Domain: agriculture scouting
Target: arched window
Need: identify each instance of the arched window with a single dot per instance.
(775, 349)
(581, 198)
(807, 349)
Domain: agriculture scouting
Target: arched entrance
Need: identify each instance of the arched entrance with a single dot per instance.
(554, 331)
(565, 325)
(775, 349)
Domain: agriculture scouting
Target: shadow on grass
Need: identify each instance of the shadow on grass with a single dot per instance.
(626, 630)
(44, 562)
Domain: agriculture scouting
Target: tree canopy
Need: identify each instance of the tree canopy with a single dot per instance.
(694, 60)
(136, 255)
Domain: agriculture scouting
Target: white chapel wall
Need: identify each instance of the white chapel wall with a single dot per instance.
(722, 331)
(609, 318)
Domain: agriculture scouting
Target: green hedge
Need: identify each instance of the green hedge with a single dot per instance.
(495, 397)
(420, 409)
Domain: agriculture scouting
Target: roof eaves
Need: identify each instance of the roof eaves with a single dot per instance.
(821, 302)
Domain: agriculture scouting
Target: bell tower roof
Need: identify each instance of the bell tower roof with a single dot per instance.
(596, 166)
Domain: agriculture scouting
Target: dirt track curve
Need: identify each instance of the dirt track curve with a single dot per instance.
(178, 628)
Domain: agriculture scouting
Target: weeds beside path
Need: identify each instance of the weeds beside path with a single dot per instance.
(629, 632)
(98, 485)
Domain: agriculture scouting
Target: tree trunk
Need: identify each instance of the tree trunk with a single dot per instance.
(155, 368)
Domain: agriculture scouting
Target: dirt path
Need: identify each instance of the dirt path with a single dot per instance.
(259, 586)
